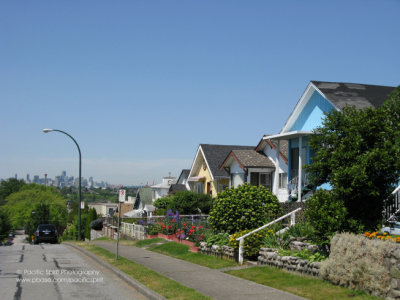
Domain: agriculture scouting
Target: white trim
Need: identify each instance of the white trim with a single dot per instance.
(323, 95)
(205, 160)
(300, 168)
(261, 170)
(288, 135)
(208, 167)
(396, 190)
(277, 168)
(305, 97)
(196, 178)
(194, 161)
(299, 107)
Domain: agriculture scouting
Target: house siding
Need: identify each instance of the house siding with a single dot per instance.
(312, 114)
(206, 173)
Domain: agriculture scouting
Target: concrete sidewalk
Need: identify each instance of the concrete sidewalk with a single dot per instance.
(210, 282)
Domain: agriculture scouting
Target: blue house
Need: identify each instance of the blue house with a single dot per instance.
(319, 98)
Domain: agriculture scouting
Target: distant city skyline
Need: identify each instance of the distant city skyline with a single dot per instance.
(52, 177)
(61, 180)
(86, 182)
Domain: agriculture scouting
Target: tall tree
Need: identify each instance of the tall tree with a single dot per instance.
(5, 225)
(36, 203)
(9, 186)
(357, 153)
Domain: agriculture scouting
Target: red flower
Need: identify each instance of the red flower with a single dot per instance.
(173, 220)
(200, 227)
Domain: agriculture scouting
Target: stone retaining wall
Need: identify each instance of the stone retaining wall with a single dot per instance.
(268, 256)
(224, 252)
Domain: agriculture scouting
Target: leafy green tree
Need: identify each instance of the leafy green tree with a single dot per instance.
(5, 225)
(327, 215)
(244, 207)
(163, 203)
(9, 186)
(90, 216)
(87, 216)
(21, 207)
(391, 108)
(188, 202)
(357, 153)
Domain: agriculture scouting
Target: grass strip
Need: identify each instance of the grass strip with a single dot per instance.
(164, 286)
(181, 251)
(304, 286)
(147, 242)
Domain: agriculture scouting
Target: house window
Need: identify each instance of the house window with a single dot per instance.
(294, 162)
(264, 179)
(283, 179)
(200, 187)
(254, 178)
(221, 187)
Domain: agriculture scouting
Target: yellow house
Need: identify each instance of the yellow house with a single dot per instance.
(205, 175)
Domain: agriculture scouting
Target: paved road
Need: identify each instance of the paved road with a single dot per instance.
(48, 271)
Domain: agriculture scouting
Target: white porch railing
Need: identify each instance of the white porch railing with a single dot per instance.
(396, 195)
(133, 230)
(293, 184)
(241, 239)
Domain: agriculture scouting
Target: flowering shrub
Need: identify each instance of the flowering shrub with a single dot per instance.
(172, 224)
(252, 243)
(358, 262)
(153, 229)
(242, 208)
(191, 232)
(384, 237)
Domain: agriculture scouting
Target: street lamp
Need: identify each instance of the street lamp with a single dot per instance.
(46, 130)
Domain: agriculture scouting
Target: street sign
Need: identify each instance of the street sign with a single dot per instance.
(82, 205)
(122, 195)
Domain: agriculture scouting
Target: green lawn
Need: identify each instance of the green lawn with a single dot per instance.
(166, 287)
(304, 286)
(147, 242)
(182, 252)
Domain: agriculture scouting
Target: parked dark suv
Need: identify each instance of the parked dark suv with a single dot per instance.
(46, 233)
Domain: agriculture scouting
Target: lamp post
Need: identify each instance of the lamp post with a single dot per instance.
(46, 130)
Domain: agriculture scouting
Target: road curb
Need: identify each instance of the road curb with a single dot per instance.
(140, 287)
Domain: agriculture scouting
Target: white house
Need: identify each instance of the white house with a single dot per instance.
(162, 189)
(257, 166)
(104, 209)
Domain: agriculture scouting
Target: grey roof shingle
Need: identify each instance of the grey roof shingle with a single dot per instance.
(359, 95)
(216, 154)
(184, 175)
(144, 196)
(253, 159)
(175, 188)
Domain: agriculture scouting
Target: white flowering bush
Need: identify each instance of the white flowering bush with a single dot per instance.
(359, 263)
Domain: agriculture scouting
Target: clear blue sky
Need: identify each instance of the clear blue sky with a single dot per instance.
(140, 84)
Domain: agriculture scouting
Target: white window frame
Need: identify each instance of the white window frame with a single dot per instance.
(283, 180)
